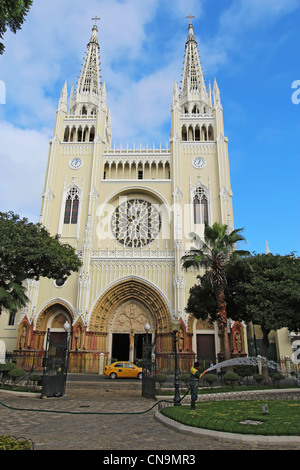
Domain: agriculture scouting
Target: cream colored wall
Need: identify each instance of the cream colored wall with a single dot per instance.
(8, 334)
(283, 344)
(48, 291)
(104, 271)
(152, 262)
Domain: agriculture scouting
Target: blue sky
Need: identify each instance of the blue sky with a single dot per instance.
(250, 46)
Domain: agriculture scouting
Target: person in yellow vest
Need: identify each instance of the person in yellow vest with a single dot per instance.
(193, 383)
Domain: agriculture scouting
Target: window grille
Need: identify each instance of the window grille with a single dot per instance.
(72, 206)
(200, 206)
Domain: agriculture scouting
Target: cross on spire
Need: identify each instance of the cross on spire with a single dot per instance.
(96, 19)
(190, 17)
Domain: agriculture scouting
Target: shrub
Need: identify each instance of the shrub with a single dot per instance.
(5, 369)
(259, 378)
(161, 378)
(7, 366)
(35, 378)
(185, 378)
(16, 373)
(276, 378)
(210, 379)
(244, 370)
(11, 443)
(230, 378)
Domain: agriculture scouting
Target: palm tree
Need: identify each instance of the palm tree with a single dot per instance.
(12, 296)
(214, 254)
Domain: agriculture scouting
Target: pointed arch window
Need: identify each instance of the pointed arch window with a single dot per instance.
(210, 132)
(67, 134)
(190, 133)
(72, 206)
(200, 204)
(197, 133)
(92, 134)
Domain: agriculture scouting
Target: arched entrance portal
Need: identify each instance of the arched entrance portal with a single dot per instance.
(117, 321)
(127, 330)
(53, 316)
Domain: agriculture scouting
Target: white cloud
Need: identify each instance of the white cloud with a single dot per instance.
(245, 14)
(183, 8)
(142, 111)
(23, 157)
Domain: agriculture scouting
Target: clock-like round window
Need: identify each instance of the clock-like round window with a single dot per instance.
(136, 223)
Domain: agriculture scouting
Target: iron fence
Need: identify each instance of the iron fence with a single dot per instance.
(166, 362)
(86, 362)
(27, 360)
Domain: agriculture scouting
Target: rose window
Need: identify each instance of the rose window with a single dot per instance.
(136, 223)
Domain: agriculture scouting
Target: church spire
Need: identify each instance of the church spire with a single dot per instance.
(194, 92)
(88, 91)
(63, 101)
(193, 80)
(89, 80)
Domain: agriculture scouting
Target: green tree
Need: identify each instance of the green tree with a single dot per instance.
(202, 302)
(214, 254)
(28, 251)
(268, 294)
(263, 289)
(12, 15)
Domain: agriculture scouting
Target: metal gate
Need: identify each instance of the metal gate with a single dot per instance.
(149, 367)
(55, 364)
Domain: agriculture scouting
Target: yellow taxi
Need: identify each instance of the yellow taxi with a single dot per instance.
(123, 369)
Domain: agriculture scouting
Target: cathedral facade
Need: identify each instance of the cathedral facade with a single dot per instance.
(129, 212)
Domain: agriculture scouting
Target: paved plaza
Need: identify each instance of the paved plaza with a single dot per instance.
(126, 421)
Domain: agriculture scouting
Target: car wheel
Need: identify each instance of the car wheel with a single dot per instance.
(113, 375)
(140, 375)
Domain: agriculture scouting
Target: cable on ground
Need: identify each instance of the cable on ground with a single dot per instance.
(92, 412)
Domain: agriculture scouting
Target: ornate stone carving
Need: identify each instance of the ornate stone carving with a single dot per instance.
(58, 321)
(204, 325)
(130, 316)
(132, 291)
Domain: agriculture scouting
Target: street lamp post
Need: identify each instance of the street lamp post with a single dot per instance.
(147, 341)
(148, 383)
(67, 328)
(175, 329)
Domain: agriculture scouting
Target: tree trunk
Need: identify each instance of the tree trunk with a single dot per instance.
(222, 320)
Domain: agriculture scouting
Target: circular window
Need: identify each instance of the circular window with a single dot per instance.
(136, 223)
(60, 282)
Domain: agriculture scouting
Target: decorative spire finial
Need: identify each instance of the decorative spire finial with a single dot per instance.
(96, 19)
(190, 17)
(190, 28)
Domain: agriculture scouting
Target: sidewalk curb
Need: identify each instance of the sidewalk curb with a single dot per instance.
(22, 394)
